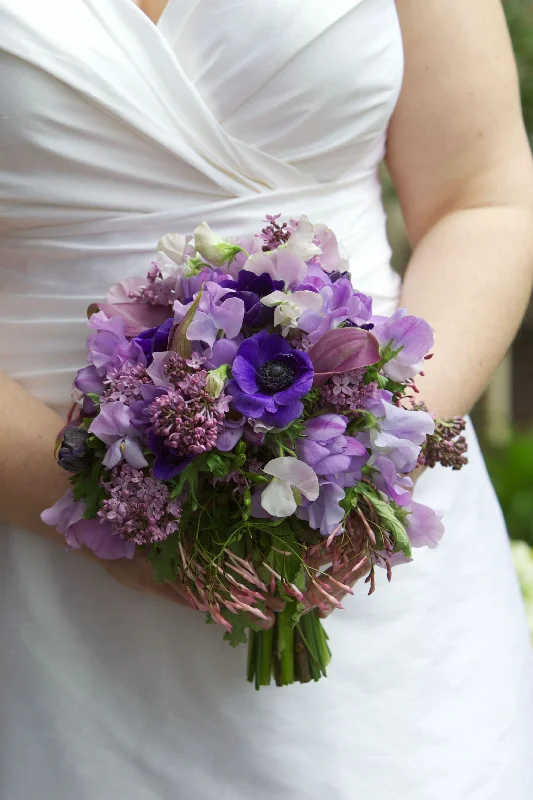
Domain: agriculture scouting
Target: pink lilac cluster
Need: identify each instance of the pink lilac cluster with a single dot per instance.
(188, 418)
(157, 292)
(348, 392)
(274, 234)
(178, 369)
(139, 507)
(124, 384)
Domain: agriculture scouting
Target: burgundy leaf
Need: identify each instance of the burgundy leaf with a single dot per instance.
(342, 350)
(137, 316)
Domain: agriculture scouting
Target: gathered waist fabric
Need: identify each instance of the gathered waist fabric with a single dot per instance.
(50, 274)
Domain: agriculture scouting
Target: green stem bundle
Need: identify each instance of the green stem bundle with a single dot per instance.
(288, 652)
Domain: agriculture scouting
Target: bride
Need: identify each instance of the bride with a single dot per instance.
(121, 121)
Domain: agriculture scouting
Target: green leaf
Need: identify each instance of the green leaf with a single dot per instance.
(241, 623)
(87, 487)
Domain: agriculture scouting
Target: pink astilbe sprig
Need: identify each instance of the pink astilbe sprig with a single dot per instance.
(124, 385)
(139, 507)
(188, 418)
(346, 392)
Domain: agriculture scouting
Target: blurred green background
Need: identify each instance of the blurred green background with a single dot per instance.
(504, 416)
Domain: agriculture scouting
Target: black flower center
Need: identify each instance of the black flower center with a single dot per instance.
(275, 376)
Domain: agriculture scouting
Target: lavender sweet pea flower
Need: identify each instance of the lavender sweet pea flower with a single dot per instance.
(216, 312)
(400, 434)
(114, 426)
(327, 450)
(424, 526)
(412, 336)
(333, 256)
(340, 305)
(325, 513)
(223, 351)
(89, 381)
(386, 478)
(108, 348)
(232, 433)
(67, 517)
(269, 380)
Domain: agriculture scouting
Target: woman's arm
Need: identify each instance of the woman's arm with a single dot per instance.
(460, 160)
(30, 480)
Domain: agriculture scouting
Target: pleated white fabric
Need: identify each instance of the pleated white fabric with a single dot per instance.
(114, 131)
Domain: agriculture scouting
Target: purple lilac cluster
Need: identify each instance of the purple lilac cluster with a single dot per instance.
(349, 392)
(139, 507)
(230, 343)
(188, 418)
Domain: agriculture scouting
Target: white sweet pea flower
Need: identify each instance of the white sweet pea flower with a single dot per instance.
(301, 241)
(291, 479)
(175, 246)
(211, 247)
(289, 307)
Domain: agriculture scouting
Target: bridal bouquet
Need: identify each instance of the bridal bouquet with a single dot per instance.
(244, 422)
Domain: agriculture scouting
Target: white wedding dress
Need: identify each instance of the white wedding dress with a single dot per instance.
(113, 132)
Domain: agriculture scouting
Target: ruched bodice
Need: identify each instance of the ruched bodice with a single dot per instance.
(115, 131)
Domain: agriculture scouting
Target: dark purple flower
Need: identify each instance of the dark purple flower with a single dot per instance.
(155, 340)
(269, 379)
(326, 449)
(67, 517)
(167, 463)
(251, 288)
(73, 454)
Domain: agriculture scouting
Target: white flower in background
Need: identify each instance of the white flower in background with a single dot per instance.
(211, 247)
(291, 479)
(176, 247)
(289, 307)
(523, 561)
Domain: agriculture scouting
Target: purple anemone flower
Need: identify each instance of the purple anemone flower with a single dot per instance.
(251, 288)
(155, 340)
(327, 450)
(167, 463)
(67, 517)
(114, 426)
(411, 336)
(269, 379)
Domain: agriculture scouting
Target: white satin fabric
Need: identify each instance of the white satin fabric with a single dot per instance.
(113, 132)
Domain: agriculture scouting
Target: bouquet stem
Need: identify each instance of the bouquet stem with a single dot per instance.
(289, 653)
